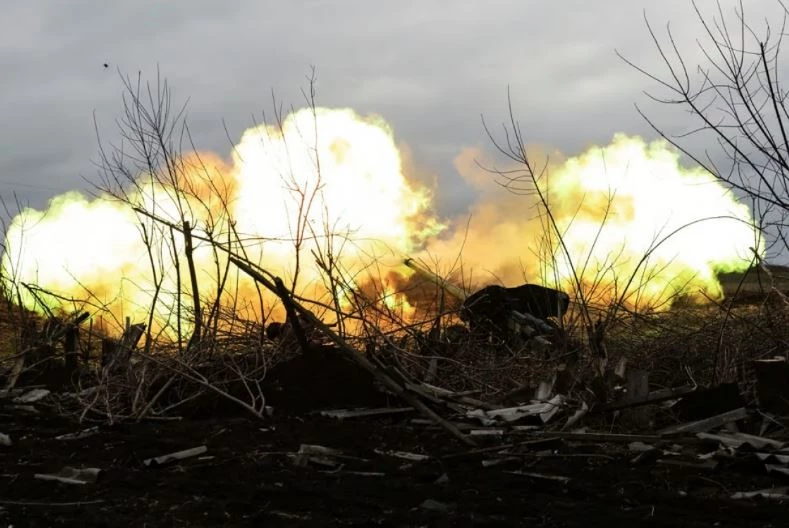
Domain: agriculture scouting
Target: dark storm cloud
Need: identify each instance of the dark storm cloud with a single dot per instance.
(430, 68)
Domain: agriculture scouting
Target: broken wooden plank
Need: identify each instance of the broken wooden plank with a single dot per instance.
(70, 475)
(708, 465)
(704, 425)
(525, 428)
(300, 460)
(439, 391)
(602, 437)
(541, 476)
(342, 414)
(545, 410)
(486, 432)
(404, 455)
(653, 397)
(725, 440)
(178, 455)
(313, 449)
(549, 454)
(85, 433)
(781, 493)
(759, 442)
(736, 440)
(491, 462)
(537, 443)
(460, 426)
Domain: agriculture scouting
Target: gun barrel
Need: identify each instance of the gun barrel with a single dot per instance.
(435, 279)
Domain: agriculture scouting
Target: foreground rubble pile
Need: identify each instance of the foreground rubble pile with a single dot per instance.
(711, 432)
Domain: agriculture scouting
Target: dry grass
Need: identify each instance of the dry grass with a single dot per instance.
(706, 344)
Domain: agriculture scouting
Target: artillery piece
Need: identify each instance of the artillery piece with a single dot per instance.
(496, 310)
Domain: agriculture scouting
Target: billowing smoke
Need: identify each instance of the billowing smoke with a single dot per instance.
(331, 187)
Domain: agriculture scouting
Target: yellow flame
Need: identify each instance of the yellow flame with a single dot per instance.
(637, 227)
(332, 183)
(630, 210)
(398, 303)
(328, 183)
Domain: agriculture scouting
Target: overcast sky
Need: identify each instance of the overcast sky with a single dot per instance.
(430, 68)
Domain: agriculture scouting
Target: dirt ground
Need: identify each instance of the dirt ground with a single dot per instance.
(250, 475)
(246, 478)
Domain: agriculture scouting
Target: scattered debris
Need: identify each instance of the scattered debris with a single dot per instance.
(413, 457)
(71, 475)
(737, 440)
(781, 493)
(706, 424)
(550, 428)
(540, 476)
(486, 432)
(178, 455)
(342, 414)
(705, 465)
(435, 506)
(442, 480)
(27, 409)
(85, 433)
(544, 410)
(774, 468)
(321, 456)
(640, 447)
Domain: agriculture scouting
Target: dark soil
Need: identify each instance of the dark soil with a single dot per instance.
(249, 475)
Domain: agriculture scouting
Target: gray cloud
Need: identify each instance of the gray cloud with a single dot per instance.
(429, 68)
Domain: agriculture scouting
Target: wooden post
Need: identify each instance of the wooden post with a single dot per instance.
(115, 354)
(109, 347)
(637, 383)
(71, 349)
(89, 345)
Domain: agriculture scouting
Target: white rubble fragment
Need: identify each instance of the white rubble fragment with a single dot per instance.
(545, 410)
(178, 455)
(640, 447)
(435, 506)
(32, 396)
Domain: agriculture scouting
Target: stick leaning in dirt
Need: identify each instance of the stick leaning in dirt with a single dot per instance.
(274, 286)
